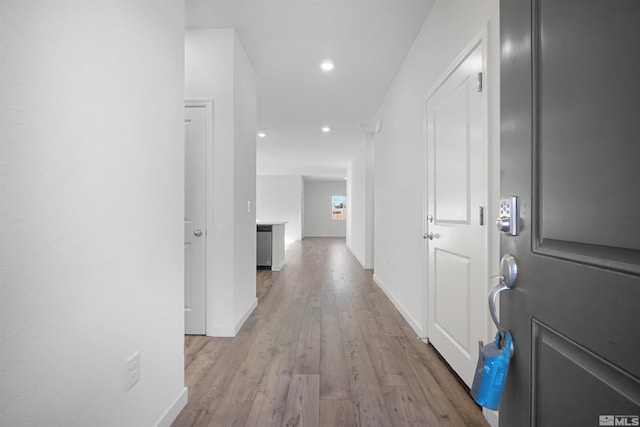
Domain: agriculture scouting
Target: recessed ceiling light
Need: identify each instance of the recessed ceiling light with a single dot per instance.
(326, 129)
(261, 134)
(345, 178)
(327, 65)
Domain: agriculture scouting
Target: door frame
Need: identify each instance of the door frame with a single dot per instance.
(207, 104)
(491, 178)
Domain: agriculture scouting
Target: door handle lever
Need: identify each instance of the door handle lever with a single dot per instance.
(509, 269)
(493, 295)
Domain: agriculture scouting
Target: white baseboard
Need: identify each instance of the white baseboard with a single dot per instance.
(229, 330)
(415, 325)
(174, 410)
(362, 263)
(221, 331)
(245, 316)
(490, 416)
(278, 267)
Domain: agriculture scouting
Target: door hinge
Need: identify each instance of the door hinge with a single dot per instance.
(479, 82)
(481, 215)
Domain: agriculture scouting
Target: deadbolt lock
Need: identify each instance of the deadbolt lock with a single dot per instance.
(507, 222)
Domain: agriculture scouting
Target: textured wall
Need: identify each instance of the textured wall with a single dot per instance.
(91, 231)
(317, 209)
(279, 198)
(400, 254)
(217, 68)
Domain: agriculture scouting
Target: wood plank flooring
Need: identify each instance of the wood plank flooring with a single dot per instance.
(324, 347)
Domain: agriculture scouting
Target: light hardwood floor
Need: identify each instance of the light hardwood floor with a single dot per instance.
(324, 347)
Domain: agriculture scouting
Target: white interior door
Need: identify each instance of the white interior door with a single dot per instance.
(194, 220)
(456, 192)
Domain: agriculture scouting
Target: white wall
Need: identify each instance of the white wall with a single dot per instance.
(317, 208)
(360, 194)
(245, 113)
(91, 183)
(217, 68)
(370, 190)
(279, 198)
(400, 254)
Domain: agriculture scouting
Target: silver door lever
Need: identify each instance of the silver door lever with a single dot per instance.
(509, 269)
(493, 295)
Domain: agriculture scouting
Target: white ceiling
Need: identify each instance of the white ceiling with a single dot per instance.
(286, 40)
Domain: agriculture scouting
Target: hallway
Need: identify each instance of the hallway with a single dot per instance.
(324, 347)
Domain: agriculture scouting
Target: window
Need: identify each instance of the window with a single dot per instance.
(337, 207)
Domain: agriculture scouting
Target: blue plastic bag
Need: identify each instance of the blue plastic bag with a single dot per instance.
(491, 371)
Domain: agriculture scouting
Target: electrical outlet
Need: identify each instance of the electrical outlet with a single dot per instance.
(132, 371)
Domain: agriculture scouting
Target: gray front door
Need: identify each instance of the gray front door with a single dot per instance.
(570, 148)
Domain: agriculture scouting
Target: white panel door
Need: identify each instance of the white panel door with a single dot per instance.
(456, 190)
(194, 220)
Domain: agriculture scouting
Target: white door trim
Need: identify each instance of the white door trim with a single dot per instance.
(207, 104)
